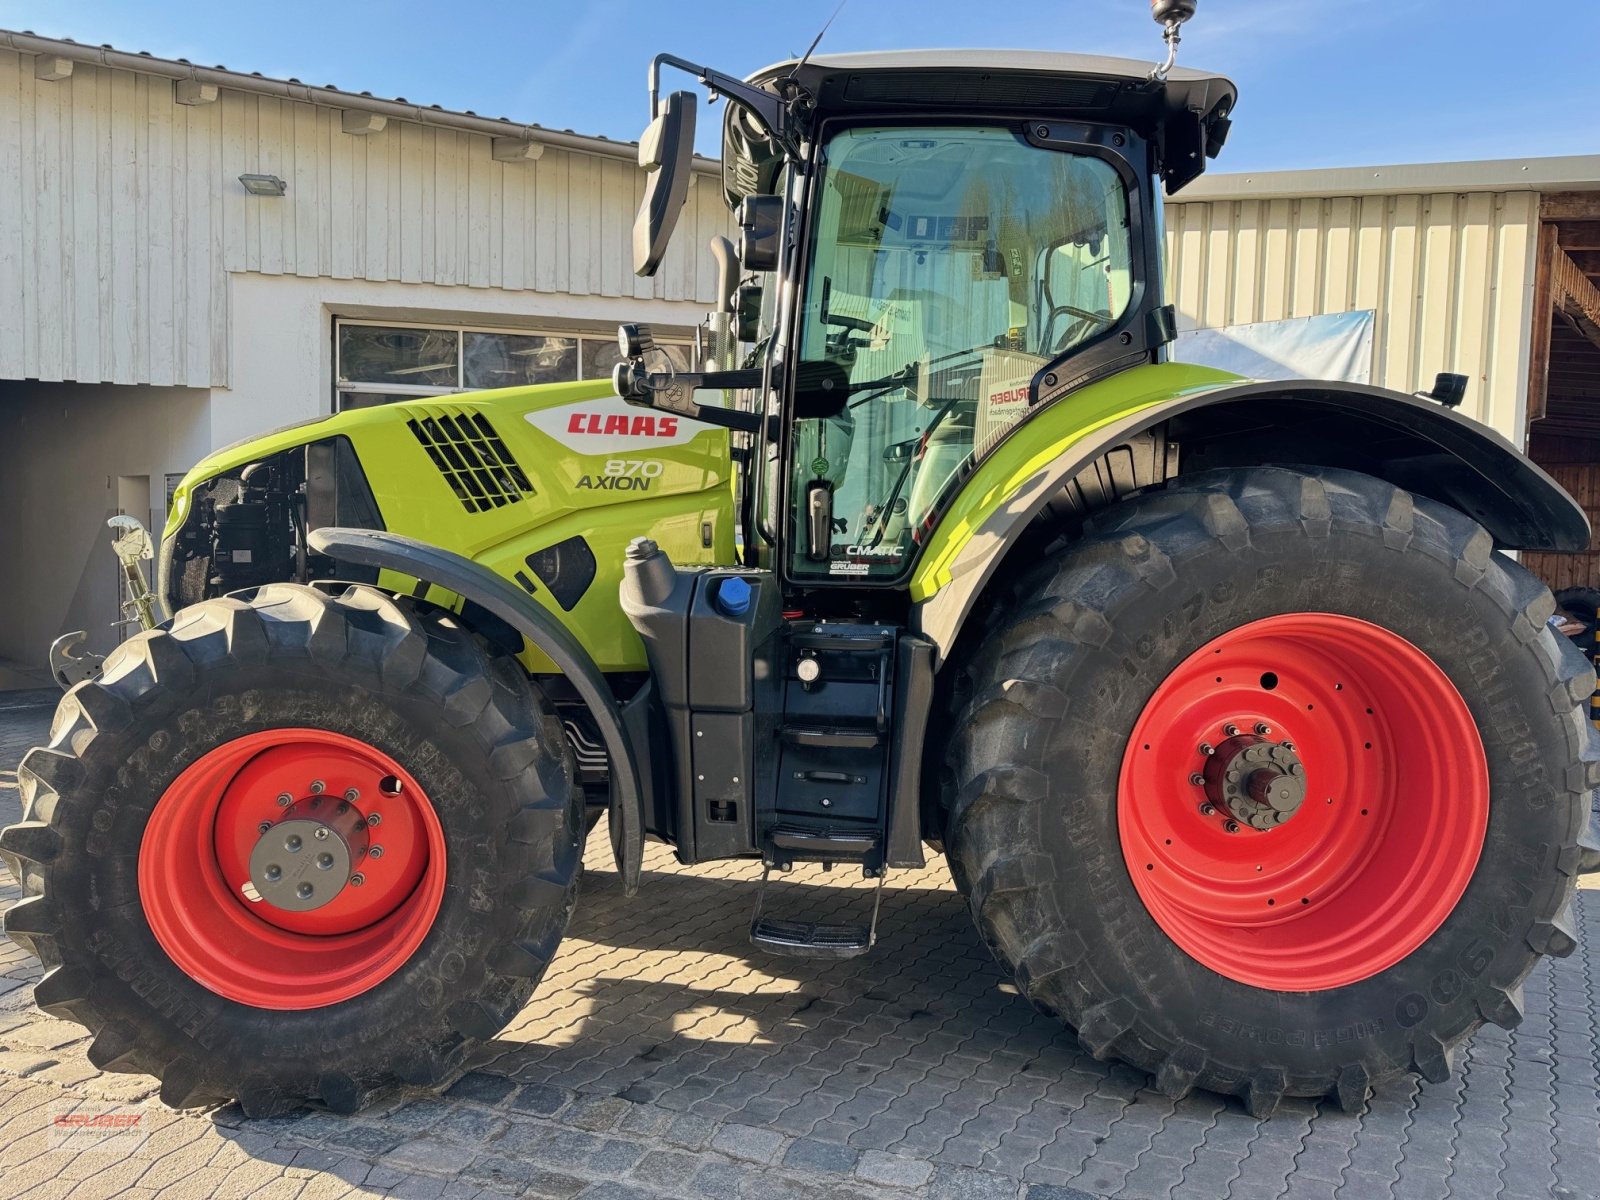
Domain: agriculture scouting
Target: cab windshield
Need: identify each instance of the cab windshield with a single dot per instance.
(947, 265)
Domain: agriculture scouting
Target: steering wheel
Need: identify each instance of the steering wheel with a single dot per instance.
(1085, 326)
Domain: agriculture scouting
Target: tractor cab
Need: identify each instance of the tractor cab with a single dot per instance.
(934, 247)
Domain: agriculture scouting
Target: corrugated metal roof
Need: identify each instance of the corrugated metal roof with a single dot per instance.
(328, 95)
(1575, 172)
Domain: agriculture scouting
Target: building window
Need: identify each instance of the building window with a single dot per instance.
(377, 364)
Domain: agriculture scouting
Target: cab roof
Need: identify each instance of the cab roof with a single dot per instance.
(1186, 116)
(1050, 62)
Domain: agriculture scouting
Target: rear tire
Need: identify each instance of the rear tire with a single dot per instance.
(105, 909)
(1038, 803)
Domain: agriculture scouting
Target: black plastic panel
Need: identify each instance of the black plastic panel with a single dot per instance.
(567, 569)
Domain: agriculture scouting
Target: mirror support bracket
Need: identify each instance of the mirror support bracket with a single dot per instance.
(674, 393)
(772, 111)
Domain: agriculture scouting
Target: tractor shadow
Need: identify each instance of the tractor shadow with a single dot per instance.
(662, 999)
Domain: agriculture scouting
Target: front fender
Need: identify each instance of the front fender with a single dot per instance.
(474, 582)
(1414, 443)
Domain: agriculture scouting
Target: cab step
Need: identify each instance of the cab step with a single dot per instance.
(813, 939)
(831, 738)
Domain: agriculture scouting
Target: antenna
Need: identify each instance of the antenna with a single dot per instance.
(1170, 14)
(806, 57)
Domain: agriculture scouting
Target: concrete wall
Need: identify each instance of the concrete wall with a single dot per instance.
(1450, 276)
(72, 453)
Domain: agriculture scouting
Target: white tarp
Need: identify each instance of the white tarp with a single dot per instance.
(1337, 346)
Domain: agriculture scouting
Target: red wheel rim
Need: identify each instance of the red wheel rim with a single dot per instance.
(195, 883)
(1388, 835)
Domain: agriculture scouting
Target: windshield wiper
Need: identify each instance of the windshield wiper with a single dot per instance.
(905, 472)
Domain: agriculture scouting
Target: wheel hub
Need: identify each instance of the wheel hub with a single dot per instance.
(1261, 783)
(305, 859)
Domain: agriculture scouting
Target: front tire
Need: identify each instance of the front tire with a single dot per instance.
(429, 781)
(1419, 838)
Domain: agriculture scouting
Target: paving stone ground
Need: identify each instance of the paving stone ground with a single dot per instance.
(664, 1056)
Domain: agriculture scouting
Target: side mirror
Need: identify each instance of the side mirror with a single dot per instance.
(666, 154)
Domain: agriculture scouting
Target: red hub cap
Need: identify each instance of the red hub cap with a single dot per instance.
(1303, 802)
(292, 868)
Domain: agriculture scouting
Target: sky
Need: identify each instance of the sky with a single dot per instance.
(1322, 83)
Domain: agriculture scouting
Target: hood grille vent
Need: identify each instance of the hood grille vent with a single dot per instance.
(473, 459)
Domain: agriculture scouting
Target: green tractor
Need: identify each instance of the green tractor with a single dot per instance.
(1245, 740)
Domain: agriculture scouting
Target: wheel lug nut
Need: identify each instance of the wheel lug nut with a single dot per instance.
(352, 795)
(1197, 779)
(264, 826)
(375, 852)
(284, 800)
(318, 787)
(1263, 728)
(1289, 746)
(375, 819)
(1231, 730)
(1207, 749)
(357, 879)
(1231, 826)
(1207, 809)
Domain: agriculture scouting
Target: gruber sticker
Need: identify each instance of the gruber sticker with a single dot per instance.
(612, 426)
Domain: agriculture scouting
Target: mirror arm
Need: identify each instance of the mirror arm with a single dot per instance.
(674, 393)
(767, 108)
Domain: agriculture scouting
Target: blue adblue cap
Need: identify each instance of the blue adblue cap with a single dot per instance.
(733, 596)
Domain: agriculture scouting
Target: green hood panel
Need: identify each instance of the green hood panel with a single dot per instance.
(598, 469)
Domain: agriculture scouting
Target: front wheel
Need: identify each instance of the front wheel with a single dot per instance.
(1273, 785)
(295, 848)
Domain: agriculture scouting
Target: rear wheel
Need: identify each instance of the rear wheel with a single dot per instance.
(295, 848)
(1273, 785)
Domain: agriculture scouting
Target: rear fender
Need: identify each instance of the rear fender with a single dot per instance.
(501, 599)
(1413, 443)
